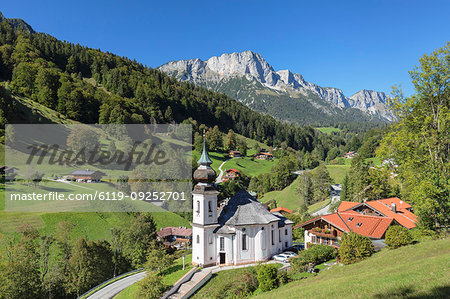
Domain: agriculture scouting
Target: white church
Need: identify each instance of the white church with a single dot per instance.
(241, 231)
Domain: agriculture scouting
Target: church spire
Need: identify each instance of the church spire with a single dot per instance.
(204, 159)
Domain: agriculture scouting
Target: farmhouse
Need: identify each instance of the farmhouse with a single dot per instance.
(350, 155)
(370, 219)
(230, 174)
(281, 210)
(264, 156)
(180, 236)
(86, 176)
(235, 154)
(241, 231)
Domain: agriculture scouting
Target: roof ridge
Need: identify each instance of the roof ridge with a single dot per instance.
(344, 222)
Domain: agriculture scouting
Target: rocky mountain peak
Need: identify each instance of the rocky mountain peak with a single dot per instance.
(254, 68)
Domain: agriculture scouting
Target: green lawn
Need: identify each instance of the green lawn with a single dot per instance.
(317, 205)
(338, 172)
(250, 167)
(415, 271)
(91, 225)
(287, 197)
(172, 275)
(328, 130)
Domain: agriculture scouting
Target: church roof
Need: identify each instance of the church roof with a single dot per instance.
(244, 209)
(204, 159)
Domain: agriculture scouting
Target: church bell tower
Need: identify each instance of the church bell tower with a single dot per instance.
(204, 220)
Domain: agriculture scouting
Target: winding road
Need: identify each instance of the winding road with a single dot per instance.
(219, 177)
(324, 210)
(116, 287)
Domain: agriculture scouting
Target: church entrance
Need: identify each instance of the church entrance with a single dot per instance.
(222, 258)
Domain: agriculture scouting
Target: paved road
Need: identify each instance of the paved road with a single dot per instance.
(116, 287)
(325, 210)
(219, 177)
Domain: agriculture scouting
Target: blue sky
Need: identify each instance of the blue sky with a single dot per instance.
(351, 45)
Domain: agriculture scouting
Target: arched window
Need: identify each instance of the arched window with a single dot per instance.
(263, 238)
(198, 206)
(198, 239)
(210, 239)
(244, 240)
(209, 208)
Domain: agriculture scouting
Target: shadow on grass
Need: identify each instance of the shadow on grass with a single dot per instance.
(410, 292)
(172, 269)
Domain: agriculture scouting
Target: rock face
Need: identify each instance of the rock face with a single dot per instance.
(247, 77)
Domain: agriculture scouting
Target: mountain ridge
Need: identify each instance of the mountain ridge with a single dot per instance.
(216, 71)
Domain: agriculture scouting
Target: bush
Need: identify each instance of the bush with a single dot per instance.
(243, 286)
(267, 277)
(316, 254)
(354, 248)
(398, 236)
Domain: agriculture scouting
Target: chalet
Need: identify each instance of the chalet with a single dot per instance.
(392, 207)
(370, 219)
(178, 236)
(281, 210)
(235, 154)
(350, 155)
(230, 174)
(86, 176)
(264, 156)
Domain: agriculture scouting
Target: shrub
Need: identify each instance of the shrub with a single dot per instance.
(243, 286)
(398, 236)
(267, 277)
(314, 254)
(354, 248)
(151, 286)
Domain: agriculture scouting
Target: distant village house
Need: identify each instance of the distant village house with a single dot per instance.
(235, 154)
(350, 155)
(176, 236)
(86, 176)
(230, 174)
(264, 156)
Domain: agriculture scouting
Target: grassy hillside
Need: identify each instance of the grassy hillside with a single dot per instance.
(415, 271)
(338, 172)
(328, 130)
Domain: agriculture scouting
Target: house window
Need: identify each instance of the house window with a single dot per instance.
(198, 239)
(273, 242)
(279, 236)
(285, 232)
(263, 238)
(222, 244)
(313, 239)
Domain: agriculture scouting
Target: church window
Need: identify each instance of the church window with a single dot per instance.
(263, 238)
(198, 239)
(210, 239)
(198, 207)
(244, 240)
(222, 244)
(285, 232)
(279, 236)
(209, 209)
(273, 242)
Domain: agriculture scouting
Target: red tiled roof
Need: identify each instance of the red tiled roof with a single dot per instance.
(384, 206)
(345, 205)
(232, 170)
(174, 231)
(279, 209)
(369, 226)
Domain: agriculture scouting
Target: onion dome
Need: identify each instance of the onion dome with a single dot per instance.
(204, 174)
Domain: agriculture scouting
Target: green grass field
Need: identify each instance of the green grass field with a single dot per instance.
(338, 172)
(172, 275)
(414, 271)
(91, 225)
(287, 197)
(250, 167)
(328, 130)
